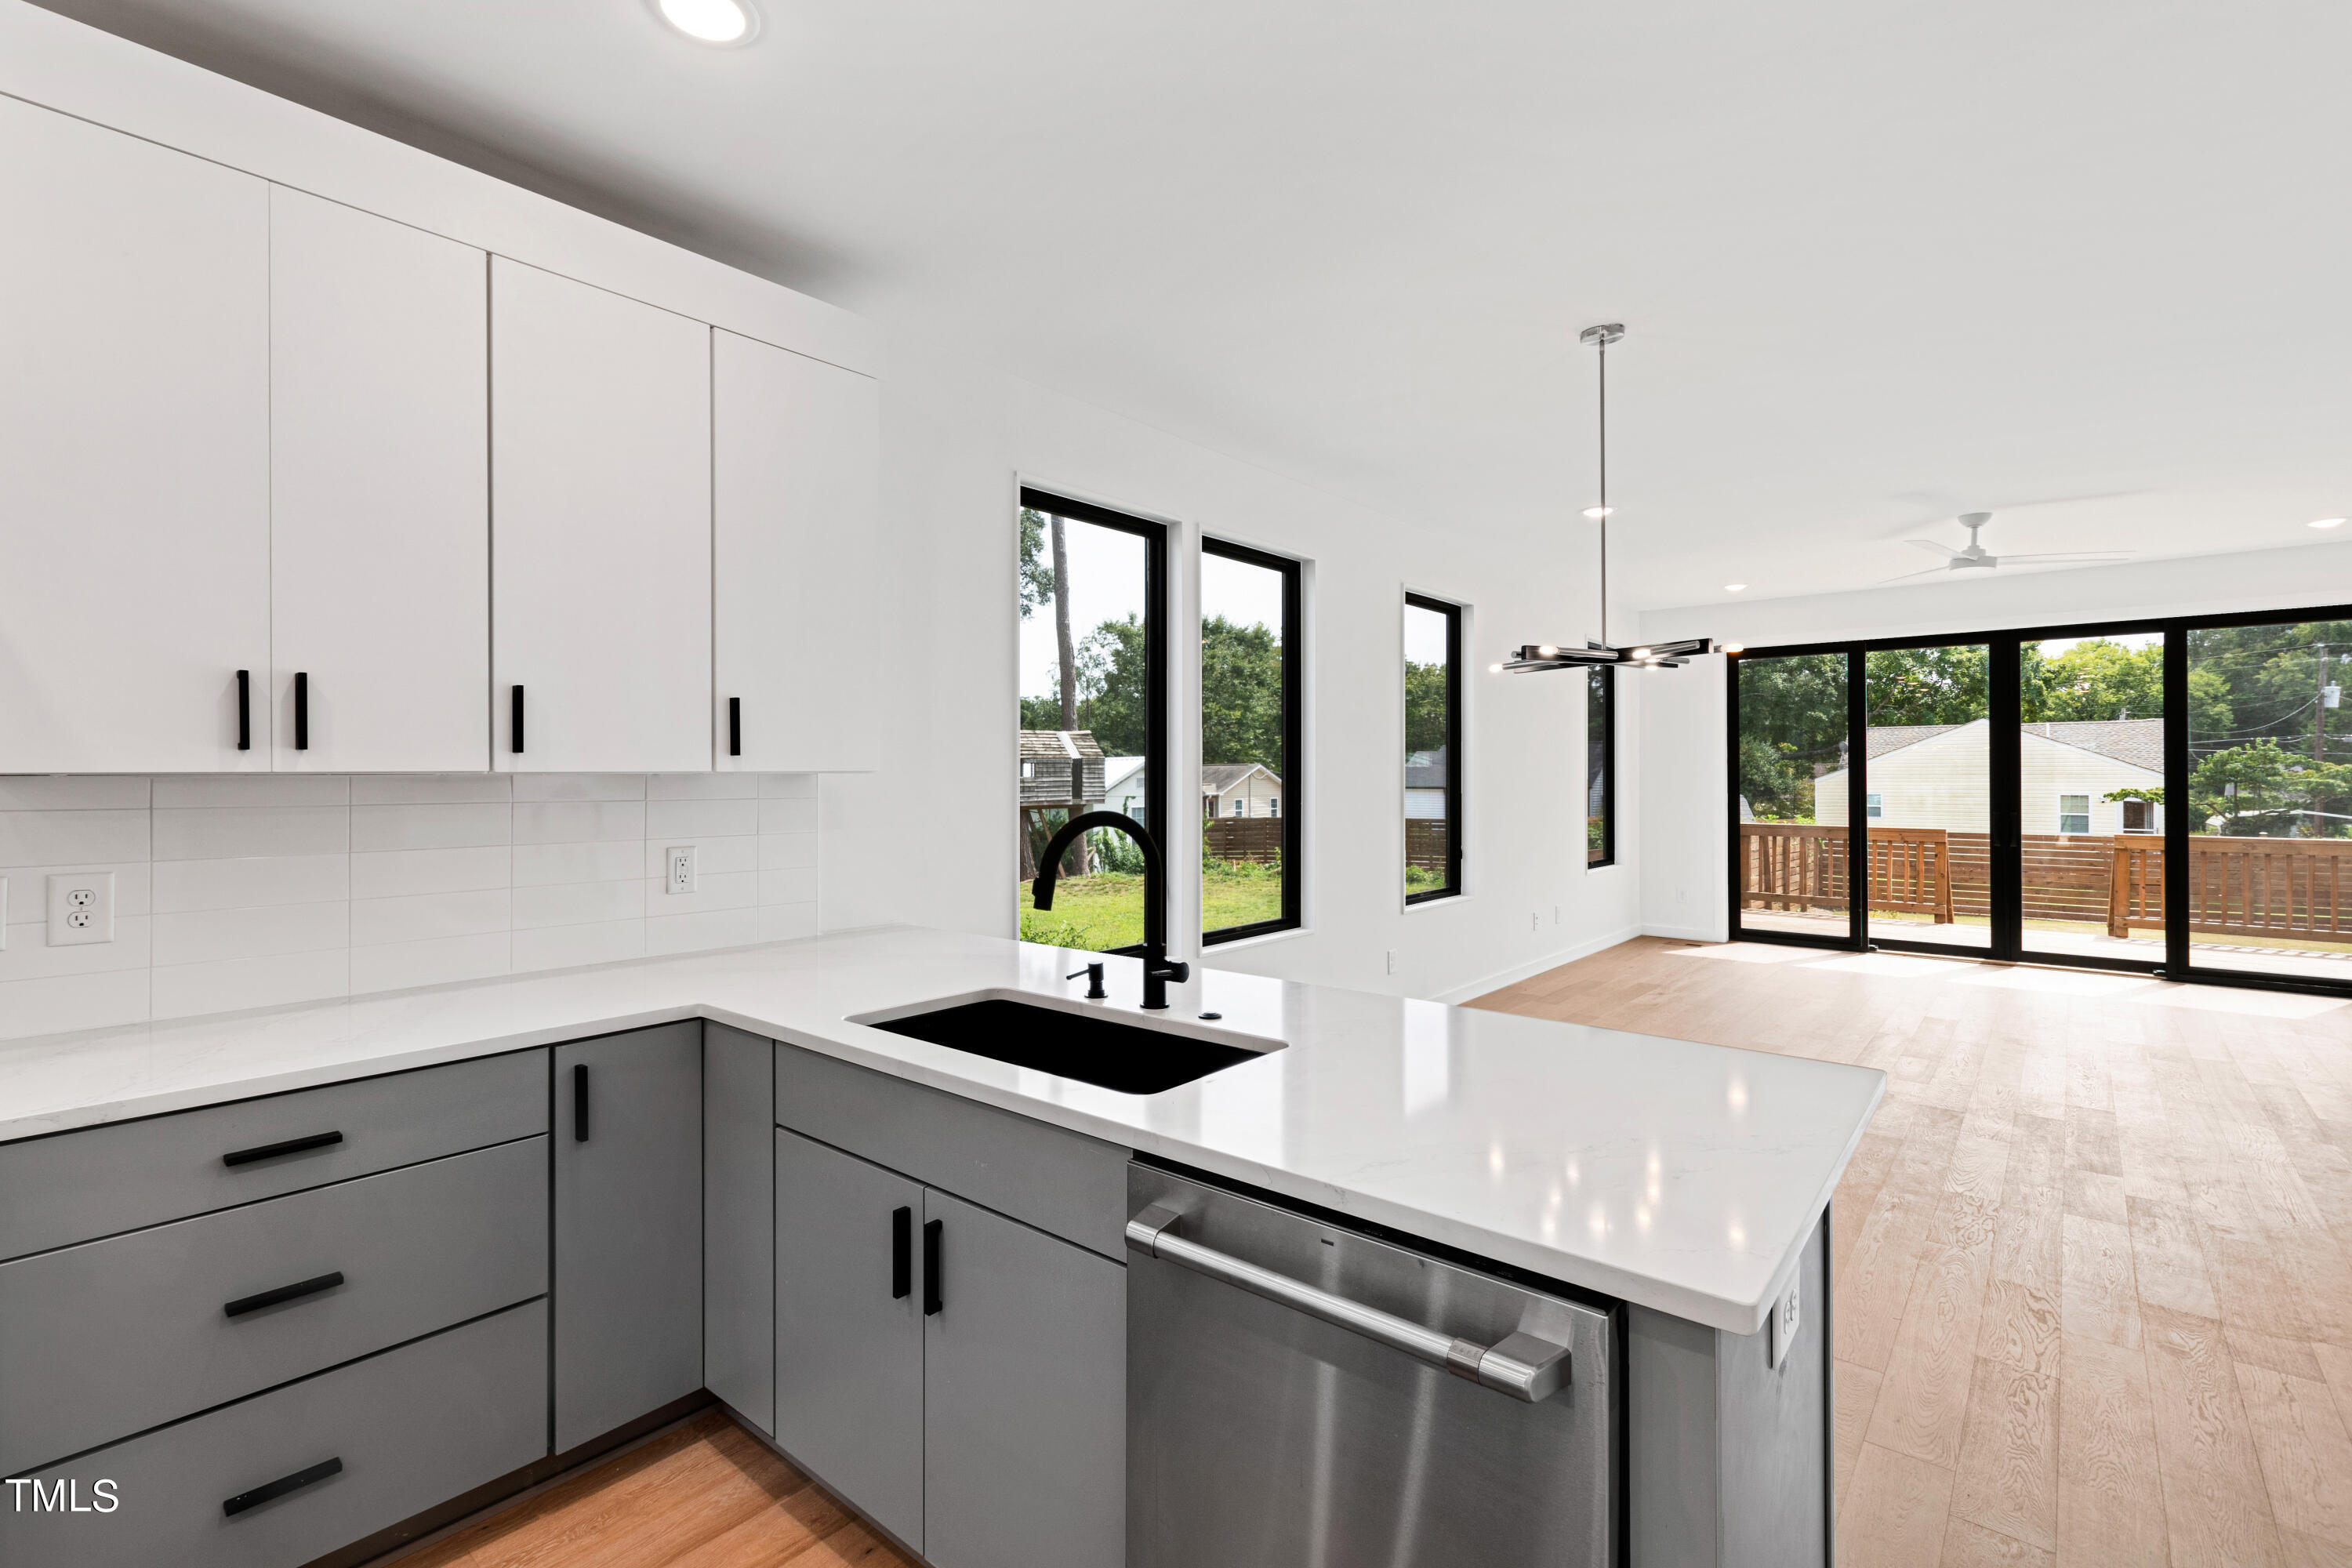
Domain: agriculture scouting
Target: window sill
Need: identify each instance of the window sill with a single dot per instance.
(1447, 902)
(1210, 950)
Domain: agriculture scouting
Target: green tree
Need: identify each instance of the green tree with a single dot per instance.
(1791, 730)
(1037, 576)
(1112, 667)
(1424, 706)
(1927, 685)
(1241, 694)
(2095, 679)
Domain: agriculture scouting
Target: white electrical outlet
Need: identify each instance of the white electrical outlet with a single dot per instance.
(1535, 920)
(1391, 961)
(1783, 1326)
(81, 908)
(680, 861)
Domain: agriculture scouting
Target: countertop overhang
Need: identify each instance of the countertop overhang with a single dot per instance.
(1679, 1176)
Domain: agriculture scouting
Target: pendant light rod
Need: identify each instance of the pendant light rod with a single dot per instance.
(1599, 652)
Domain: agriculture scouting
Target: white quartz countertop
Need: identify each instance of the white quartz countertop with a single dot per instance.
(1679, 1176)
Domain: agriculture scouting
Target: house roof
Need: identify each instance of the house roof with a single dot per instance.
(1425, 770)
(2138, 742)
(1216, 778)
(1059, 745)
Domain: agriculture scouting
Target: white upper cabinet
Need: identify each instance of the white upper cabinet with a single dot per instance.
(600, 432)
(796, 462)
(379, 460)
(134, 453)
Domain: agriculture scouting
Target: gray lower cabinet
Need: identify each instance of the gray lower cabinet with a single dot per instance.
(306, 1467)
(738, 1223)
(849, 1329)
(1025, 1376)
(629, 1226)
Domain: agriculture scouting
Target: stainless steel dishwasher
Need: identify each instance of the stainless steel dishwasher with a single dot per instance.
(1301, 1395)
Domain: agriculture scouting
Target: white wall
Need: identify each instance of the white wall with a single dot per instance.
(959, 441)
(1681, 740)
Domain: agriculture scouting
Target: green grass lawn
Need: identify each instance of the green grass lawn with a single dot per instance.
(1104, 911)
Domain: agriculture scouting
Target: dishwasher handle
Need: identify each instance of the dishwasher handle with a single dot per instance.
(1523, 1366)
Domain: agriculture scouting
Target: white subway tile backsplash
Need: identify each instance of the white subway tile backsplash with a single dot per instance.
(569, 947)
(786, 851)
(252, 789)
(578, 822)
(616, 860)
(795, 815)
(579, 786)
(431, 789)
(216, 832)
(184, 885)
(203, 936)
(72, 1001)
(73, 792)
(671, 820)
(263, 890)
(419, 917)
(435, 960)
(431, 825)
(703, 787)
(73, 837)
(184, 990)
(391, 873)
(578, 903)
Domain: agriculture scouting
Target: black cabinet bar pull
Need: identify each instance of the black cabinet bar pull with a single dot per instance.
(301, 709)
(236, 1157)
(580, 1102)
(902, 1253)
(294, 1292)
(517, 725)
(244, 709)
(282, 1486)
(734, 726)
(931, 1300)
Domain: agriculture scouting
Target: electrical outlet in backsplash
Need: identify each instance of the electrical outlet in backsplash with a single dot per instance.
(237, 891)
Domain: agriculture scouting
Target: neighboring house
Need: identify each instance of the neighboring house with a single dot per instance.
(1939, 775)
(1424, 784)
(1123, 785)
(1239, 789)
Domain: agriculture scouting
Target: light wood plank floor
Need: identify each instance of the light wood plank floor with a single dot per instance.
(2093, 1258)
(705, 1494)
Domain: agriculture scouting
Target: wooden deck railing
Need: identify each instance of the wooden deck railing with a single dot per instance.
(2298, 888)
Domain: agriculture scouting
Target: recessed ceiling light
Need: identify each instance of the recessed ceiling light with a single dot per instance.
(1735, 587)
(710, 21)
(2328, 523)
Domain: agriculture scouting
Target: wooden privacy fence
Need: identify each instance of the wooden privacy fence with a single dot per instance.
(2294, 887)
(1424, 844)
(1257, 839)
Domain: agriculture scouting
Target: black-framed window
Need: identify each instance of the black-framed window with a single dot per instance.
(1600, 768)
(2166, 796)
(1094, 711)
(1432, 749)
(1251, 765)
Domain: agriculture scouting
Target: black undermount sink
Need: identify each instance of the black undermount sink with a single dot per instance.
(1091, 1047)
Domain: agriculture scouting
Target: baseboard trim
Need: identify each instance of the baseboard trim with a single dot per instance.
(1535, 966)
(1685, 933)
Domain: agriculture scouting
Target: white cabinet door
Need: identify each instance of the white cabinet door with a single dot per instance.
(796, 461)
(134, 453)
(599, 506)
(378, 461)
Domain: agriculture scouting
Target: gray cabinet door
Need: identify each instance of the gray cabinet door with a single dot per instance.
(629, 1226)
(849, 1351)
(739, 1222)
(1025, 1386)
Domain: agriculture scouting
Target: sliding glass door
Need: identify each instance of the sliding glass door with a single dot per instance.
(2167, 796)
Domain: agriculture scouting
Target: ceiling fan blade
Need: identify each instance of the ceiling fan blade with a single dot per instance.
(1931, 572)
(2074, 555)
(1945, 550)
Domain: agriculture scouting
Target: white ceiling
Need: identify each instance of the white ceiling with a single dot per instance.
(1879, 263)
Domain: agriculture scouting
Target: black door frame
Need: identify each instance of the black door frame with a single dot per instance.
(2004, 707)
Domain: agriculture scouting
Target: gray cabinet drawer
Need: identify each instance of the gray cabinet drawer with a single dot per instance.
(105, 1340)
(412, 1427)
(1074, 1186)
(78, 1187)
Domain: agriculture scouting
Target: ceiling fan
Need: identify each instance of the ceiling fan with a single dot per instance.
(1976, 558)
